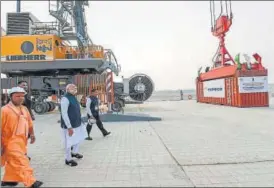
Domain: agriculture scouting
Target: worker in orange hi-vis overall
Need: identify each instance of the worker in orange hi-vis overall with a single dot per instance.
(16, 125)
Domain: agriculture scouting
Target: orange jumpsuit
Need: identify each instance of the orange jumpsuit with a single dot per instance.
(14, 137)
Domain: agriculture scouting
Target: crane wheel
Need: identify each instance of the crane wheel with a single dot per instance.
(39, 108)
(52, 106)
(47, 107)
(117, 106)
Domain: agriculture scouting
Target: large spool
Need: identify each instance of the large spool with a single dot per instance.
(141, 87)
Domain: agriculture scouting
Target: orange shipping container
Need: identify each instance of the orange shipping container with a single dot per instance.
(247, 88)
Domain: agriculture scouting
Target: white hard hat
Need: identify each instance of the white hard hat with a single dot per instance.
(17, 90)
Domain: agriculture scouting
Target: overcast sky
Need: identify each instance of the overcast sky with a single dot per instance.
(167, 40)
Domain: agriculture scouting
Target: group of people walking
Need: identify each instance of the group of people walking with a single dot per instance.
(17, 129)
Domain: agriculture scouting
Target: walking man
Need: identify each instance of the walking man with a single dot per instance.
(92, 108)
(16, 127)
(73, 129)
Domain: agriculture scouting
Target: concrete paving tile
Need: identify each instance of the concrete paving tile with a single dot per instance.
(198, 137)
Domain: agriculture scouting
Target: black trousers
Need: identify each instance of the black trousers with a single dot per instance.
(99, 125)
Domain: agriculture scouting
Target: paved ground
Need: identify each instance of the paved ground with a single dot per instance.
(195, 145)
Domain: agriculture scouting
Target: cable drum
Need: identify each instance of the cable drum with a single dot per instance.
(141, 87)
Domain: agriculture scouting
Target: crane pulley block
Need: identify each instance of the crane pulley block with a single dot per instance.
(219, 27)
(222, 26)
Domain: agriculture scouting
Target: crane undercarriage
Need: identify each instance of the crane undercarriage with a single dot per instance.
(45, 48)
(59, 67)
(43, 55)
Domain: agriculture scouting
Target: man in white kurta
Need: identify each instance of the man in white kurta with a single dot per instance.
(73, 130)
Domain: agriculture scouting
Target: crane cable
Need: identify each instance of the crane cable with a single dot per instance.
(211, 18)
(212, 15)
(226, 7)
(231, 14)
(213, 23)
(221, 12)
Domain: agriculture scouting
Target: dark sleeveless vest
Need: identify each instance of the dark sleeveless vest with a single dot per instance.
(74, 112)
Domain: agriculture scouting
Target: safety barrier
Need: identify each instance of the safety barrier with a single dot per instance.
(85, 83)
(109, 90)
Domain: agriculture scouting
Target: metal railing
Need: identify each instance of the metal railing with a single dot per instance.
(44, 28)
(94, 51)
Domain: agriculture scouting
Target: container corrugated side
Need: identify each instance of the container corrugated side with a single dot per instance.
(232, 95)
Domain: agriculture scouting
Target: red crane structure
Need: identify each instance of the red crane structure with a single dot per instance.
(231, 82)
(219, 27)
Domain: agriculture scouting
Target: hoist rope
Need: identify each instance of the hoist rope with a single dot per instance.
(226, 8)
(211, 16)
(231, 14)
(221, 12)
(214, 16)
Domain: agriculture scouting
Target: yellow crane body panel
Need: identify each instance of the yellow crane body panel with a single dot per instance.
(20, 48)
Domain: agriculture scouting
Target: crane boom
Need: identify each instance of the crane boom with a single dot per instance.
(71, 17)
(80, 23)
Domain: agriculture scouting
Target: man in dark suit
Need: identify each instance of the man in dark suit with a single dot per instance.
(92, 107)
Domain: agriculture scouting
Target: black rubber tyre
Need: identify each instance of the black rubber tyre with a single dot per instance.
(53, 106)
(50, 106)
(39, 108)
(117, 106)
(47, 108)
(123, 102)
